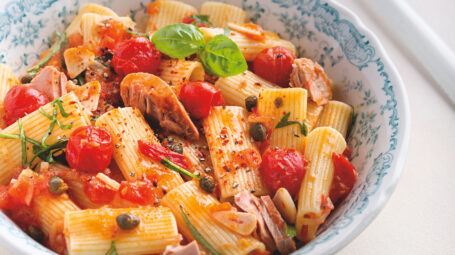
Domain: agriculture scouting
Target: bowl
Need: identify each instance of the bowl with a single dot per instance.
(324, 31)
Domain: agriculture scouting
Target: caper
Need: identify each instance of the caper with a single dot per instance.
(26, 79)
(176, 147)
(258, 132)
(251, 102)
(207, 184)
(35, 233)
(57, 186)
(127, 221)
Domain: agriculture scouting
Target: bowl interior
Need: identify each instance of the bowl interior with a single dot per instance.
(323, 31)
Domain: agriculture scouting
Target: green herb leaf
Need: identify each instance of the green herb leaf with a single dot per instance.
(204, 19)
(57, 47)
(284, 122)
(222, 57)
(23, 143)
(112, 250)
(196, 234)
(290, 230)
(227, 31)
(134, 33)
(167, 163)
(179, 40)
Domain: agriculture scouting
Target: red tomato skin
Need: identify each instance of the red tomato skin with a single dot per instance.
(140, 192)
(137, 54)
(21, 100)
(89, 149)
(275, 65)
(199, 97)
(283, 168)
(344, 178)
(158, 152)
(97, 191)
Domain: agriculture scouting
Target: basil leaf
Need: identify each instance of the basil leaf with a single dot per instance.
(61, 40)
(222, 57)
(284, 122)
(290, 230)
(179, 40)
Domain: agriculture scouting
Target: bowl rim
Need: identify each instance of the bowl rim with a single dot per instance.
(387, 189)
(384, 193)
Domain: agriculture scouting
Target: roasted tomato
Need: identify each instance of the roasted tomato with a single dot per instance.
(283, 168)
(89, 149)
(137, 54)
(199, 97)
(112, 32)
(141, 192)
(344, 178)
(275, 65)
(21, 100)
(97, 191)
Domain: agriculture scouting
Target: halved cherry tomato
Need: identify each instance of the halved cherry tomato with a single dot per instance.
(275, 65)
(141, 192)
(344, 178)
(158, 152)
(89, 149)
(97, 191)
(137, 54)
(21, 100)
(199, 97)
(283, 168)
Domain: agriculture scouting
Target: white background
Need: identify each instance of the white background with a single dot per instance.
(420, 216)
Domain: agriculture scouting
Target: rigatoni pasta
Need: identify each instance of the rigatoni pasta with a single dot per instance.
(91, 231)
(337, 115)
(177, 72)
(196, 205)
(163, 13)
(314, 204)
(312, 114)
(235, 158)
(277, 103)
(236, 89)
(128, 126)
(75, 25)
(221, 14)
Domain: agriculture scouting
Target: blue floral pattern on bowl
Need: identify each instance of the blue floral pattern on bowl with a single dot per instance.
(321, 30)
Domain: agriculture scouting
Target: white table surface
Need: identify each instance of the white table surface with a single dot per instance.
(420, 216)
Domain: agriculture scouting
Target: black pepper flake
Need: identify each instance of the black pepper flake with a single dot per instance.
(155, 184)
(279, 55)
(223, 136)
(202, 159)
(228, 169)
(296, 135)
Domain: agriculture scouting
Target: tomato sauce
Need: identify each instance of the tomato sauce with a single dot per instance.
(344, 178)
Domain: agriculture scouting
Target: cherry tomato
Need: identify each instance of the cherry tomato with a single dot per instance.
(275, 65)
(97, 191)
(141, 192)
(21, 100)
(158, 152)
(199, 97)
(137, 54)
(347, 152)
(283, 168)
(89, 149)
(344, 178)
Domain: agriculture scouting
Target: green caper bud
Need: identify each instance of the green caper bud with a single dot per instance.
(207, 184)
(127, 221)
(258, 132)
(36, 233)
(176, 147)
(251, 102)
(26, 79)
(57, 186)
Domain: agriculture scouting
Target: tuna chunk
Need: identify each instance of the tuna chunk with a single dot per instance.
(155, 99)
(51, 82)
(311, 76)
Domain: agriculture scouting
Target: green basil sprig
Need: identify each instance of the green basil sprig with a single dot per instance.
(62, 38)
(112, 250)
(284, 122)
(179, 40)
(220, 56)
(201, 19)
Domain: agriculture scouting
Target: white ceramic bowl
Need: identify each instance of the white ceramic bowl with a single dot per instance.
(324, 31)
